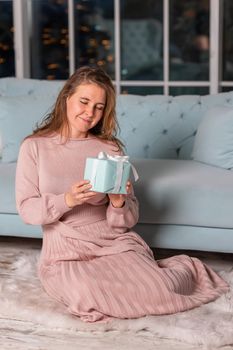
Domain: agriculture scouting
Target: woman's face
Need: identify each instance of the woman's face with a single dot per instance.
(85, 108)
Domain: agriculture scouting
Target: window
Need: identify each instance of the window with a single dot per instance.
(189, 40)
(147, 47)
(49, 39)
(94, 34)
(227, 49)
(141, 28)
(7, 59)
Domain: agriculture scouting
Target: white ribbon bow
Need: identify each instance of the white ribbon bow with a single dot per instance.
(119, 172)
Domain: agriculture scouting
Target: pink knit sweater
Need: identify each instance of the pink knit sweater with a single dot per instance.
(46, 170)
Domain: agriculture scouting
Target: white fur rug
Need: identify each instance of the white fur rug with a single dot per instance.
(23, 299)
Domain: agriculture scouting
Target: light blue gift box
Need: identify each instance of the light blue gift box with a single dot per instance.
(107, 175)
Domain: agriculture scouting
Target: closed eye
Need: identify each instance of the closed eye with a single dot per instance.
(83, 102)
(100, 106)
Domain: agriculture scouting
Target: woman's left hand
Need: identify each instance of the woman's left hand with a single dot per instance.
(118, 200)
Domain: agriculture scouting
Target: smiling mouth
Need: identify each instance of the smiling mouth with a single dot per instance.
(86, 120)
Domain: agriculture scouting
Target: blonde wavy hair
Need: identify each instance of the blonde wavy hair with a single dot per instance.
(56, 121)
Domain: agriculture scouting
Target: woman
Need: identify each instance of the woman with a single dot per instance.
(91, 260)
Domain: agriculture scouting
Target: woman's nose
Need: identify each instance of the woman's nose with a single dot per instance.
(89, 111)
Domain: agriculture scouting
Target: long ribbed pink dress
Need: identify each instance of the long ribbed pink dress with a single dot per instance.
(91, 260)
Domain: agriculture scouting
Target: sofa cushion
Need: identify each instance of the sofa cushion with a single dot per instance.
(18, 117)
(184, 192)
(17, 87)
(213, 143)
(164, 127)
(178, 192)
(7, 188)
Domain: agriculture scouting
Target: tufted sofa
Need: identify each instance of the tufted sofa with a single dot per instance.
(184, 203)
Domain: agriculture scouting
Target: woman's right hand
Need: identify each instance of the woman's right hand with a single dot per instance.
(79, 193)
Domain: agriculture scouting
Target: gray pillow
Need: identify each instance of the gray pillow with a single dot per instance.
(213, 143)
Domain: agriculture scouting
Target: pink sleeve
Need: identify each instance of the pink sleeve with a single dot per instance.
(122, 219)
(35, 208)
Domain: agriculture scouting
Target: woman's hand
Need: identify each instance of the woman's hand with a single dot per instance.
(79, 193)
(118, 200)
